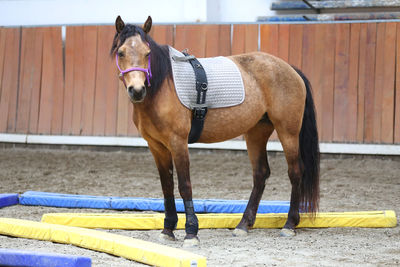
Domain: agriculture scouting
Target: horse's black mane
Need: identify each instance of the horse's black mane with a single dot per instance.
(160, 61)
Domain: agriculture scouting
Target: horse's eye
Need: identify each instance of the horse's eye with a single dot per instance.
(121, 54)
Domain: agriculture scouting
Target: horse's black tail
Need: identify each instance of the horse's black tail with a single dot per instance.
(309, 151)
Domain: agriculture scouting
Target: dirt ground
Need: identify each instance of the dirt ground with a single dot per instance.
(347, 184)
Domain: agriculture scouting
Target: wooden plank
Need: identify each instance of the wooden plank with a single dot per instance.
(369, 82)
(30, 77)
(328, 83)
(361, 83)
(58, 81)
(46, 92)
(12, 111)
(341, 102)
(295, 45)
(69, 79)
(245, 38)
(314, 65)
(79, 79)
(204, 40)
(52, 86)
(251, 38)
(388, 89)
(351, 133)
(191, 37)
(346, 69)
(112, 83)
(8, 101)
(35, 94)
(269, 38)
(2, 54)
(308, 51)
(89, 62)
(307, 64)
(163, 34)
(218, 40)
(324, 71)
(81, 51)
(379, 79)
(225, 45)
(212, 44)
(397, 103)
(26, 43)
(123, 111)
(105, 112)
(283, 47)
(100, 89)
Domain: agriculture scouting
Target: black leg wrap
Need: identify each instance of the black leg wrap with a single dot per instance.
(192, 224)
(171, 218)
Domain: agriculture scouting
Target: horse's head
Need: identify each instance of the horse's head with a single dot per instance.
(132, 56)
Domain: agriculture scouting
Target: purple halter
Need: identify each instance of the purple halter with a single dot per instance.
(147, 71)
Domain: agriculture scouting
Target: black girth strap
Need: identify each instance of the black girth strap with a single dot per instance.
(200, 109)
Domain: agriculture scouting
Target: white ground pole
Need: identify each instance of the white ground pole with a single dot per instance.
(329, 148)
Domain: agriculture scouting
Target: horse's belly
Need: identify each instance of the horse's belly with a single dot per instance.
(226, 123)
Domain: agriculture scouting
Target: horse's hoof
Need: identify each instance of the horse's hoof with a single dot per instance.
(285, 232)
(191, 242)
(239, 232)
(167, 235)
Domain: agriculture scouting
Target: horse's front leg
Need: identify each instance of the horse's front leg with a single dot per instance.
(163, 160)
(180, 155)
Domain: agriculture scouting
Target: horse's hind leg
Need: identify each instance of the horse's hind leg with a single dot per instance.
(290, 144)
(256, 140)
(163, 160)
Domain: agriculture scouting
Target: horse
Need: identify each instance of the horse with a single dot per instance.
(277, 97)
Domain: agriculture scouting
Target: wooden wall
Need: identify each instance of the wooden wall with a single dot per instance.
(71, 88)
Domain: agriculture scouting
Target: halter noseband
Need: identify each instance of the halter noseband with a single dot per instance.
(147, 71)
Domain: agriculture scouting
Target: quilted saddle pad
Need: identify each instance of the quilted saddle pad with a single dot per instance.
(225, 84)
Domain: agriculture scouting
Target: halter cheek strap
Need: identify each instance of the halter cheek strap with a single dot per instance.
(147, 71)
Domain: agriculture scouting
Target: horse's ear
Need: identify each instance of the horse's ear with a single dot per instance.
(147, 25)
(119, 24)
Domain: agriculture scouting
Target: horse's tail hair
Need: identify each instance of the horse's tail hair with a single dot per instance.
(310, 156)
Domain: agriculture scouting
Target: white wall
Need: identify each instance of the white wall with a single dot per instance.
(237, 10)
(60, 12)
(50, 12)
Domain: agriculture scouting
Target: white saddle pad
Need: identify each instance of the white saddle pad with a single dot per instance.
(225, 84)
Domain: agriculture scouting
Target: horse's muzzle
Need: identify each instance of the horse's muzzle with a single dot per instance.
(135, 95)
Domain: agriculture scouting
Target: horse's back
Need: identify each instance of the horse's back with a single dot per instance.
(273, 74)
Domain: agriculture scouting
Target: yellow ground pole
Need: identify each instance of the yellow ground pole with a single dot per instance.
(127, 247)
(141, 221)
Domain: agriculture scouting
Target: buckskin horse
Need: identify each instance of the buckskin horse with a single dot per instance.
(277, 96)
